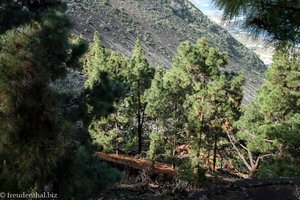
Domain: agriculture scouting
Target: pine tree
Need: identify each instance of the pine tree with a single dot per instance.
(210, 107)
(270, 124)
(106, 128)
(138, 79)
(193, 100)
(215, 99)
(165, 101)
(34, 136)
(38, 147)
(102, 88)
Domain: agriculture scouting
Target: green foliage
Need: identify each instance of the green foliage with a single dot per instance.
(194, 104)
(128, 80)
(153, 94)
(30, 126)
(201, 61)
(191, 103)
(106, 86)
(39, 148)
(190, 174)
(101, 86)
(271, 123)
(138, 76)
(108, 132)
(279, 168)
(214, 102)
(95, 60)
(34, 137)
(78, 47)
(165, 101)
(156, 146)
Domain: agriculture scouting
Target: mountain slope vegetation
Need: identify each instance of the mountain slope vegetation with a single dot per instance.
(161, 25)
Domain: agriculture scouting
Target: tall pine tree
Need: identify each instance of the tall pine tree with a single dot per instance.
(34, 136)
(38, 148)
(139, 75)
(193, 100)
(270, 125)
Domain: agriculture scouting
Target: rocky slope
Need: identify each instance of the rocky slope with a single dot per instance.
(161, 25)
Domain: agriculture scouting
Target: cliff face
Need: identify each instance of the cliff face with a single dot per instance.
(161, 25)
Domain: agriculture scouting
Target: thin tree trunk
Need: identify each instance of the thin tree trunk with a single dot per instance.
(174, 150)
(253, 165)
(140, 133)
(174, 137)
(117, 146)
(208, 160)
(117, 138)
(140, 126)
(239, 153)
(199, 143)
(215, 152)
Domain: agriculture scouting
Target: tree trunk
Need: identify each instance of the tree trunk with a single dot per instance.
(198, 155)
(140, 133)
(208, 160)
(117, 146)
(174, 151)
(117, 138)
(140, 125)
(215, 152)
(199, 143)
(252, 165)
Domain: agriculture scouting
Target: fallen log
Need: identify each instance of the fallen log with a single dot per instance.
(139, 164)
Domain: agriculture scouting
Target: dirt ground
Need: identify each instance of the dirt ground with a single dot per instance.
(287, 192)
(132, 193)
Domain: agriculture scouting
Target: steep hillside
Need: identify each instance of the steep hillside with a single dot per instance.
(161, 25)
